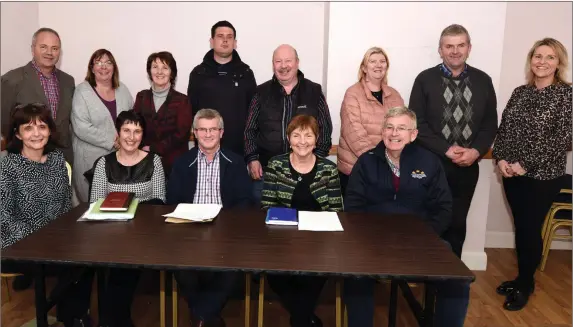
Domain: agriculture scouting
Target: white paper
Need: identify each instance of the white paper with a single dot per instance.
(195, 212)
(319, 221)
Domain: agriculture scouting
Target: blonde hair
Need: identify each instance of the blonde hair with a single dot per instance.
(370, 52)
(560, 72)
(401, 111)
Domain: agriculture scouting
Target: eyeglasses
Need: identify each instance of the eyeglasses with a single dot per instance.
(399, 129)
(104, 64)
(205, 130)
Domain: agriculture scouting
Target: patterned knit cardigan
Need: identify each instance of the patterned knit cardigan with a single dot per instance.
(279, 184)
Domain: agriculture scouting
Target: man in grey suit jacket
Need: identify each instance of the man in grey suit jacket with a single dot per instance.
(40, 81)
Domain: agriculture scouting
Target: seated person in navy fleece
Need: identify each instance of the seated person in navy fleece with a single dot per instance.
(400, 177)
(208, 174)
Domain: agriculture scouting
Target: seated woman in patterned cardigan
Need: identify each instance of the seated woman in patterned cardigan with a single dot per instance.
(303, 181)
(129, 169)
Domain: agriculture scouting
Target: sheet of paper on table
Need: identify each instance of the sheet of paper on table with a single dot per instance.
(195, 212)
(319, 221)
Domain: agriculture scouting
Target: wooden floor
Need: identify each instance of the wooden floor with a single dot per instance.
(549, 306)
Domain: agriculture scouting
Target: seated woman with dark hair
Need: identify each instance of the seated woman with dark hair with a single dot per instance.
(304, 181)
(35, 190)
(130, 169)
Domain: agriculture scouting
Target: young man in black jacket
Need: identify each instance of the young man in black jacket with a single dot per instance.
(457, 119)
(225, 83)
(398, 177)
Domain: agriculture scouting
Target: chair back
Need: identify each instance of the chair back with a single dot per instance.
(69, 172)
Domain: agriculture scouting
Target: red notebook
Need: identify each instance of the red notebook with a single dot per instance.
(117, 201)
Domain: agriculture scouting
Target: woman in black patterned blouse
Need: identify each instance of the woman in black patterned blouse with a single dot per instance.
(530, 151)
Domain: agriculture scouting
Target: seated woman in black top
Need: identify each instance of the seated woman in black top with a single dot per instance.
(306, 182)
(129, 169)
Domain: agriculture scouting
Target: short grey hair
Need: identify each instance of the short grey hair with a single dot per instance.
(452, 30)
(208, 114)
(42, 30)
(401, 111)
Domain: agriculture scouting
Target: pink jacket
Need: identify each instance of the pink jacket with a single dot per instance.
(362, 117)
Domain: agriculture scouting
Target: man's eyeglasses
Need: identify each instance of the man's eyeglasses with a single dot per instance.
(399, 129)
(104, 63)
(205, 130)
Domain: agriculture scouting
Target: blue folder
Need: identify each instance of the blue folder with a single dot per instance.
(282, 216)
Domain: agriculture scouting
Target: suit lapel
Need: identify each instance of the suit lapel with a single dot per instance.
(33, 80)
(62, 92)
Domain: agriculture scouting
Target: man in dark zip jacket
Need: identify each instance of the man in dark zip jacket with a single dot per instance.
(225, 83)
(398, 177)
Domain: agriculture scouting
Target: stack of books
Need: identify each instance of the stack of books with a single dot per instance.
(117, 206)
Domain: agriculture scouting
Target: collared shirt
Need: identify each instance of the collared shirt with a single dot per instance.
(393, 167)
(448, 73)
(208, 189)
(51, 88)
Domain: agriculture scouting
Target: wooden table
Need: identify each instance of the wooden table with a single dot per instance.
(399, 247)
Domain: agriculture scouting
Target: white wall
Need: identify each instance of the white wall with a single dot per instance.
(523, 27)
(18, 22)
(133, 30)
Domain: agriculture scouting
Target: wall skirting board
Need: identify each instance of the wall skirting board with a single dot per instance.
(506, 240)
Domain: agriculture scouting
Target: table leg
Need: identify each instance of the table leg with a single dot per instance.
(248, 278)
(174, 300)
(40, 298)
(261, 299)
(429, 301)
(162, 298)
(338, 302)
(393, 306)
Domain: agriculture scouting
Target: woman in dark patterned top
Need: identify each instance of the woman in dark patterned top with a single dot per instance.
(35, 189)
(303, 181)
(167, 112)
(530, 151)
(129, 169)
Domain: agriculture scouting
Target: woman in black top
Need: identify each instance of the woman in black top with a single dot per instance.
(530, 151)
(306, 182)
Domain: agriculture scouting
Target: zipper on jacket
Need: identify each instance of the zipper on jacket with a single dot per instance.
(285, 147)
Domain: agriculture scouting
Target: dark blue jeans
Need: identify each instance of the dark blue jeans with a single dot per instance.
(206, 292)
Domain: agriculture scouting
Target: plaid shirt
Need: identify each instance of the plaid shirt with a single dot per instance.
(51, 88)
(393, 167)
(208, 189)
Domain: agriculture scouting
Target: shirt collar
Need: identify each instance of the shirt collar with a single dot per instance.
(393, 167)
(448, 73)
(203, 155)
(39, 71)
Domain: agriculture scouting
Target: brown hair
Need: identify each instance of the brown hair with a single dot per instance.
(453, 30)
(167, 58)
(30, 113)
(364, 63)
(560, 51)
(90, 76)
(303, 122)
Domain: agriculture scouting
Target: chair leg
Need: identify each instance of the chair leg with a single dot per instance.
(162, 298)
(248, 277)
(345, 319)
(338, 302)
(546, 221)
(174, 301)
(261, 299)
(7, 286)
(547, 247)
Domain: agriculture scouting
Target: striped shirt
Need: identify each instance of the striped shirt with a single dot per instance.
(323, 142)
(51, 88)
(208, 189)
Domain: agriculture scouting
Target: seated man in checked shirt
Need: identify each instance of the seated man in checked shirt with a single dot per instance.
(208, 174)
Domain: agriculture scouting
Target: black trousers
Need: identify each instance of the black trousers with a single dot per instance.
(117, 298)
(207, 292)
(298, 295)
(530, 200)
(343, 182)
(462, 182)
